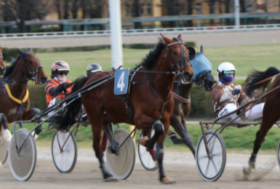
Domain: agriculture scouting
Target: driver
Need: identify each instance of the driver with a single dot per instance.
(58, 85)
(228, 96)
(93, 68)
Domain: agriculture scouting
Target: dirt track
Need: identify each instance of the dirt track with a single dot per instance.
(206, 39)
(179, 166)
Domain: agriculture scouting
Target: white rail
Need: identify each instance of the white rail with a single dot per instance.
(152, 31)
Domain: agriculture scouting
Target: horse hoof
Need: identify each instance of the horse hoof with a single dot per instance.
(168, 180)
(143, 140)
(111, 179)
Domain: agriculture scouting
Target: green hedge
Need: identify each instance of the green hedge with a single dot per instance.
(37, 96)
(201, 102)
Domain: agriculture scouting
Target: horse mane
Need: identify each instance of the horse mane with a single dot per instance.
(153, 55)
(9, 69)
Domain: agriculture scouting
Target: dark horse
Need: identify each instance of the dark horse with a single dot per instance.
(150, 99)
(14, 101)
(271, 111)
(181, 92)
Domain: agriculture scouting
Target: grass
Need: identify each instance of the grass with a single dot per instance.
(244, 58)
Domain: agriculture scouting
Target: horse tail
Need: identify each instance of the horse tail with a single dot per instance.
(73, 109)
(257, 76)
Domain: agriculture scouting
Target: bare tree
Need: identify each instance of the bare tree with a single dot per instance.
(23, 10)
(190, 11)
(75, 8)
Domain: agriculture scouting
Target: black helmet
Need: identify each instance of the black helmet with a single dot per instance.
(93, 68)
(59, 65)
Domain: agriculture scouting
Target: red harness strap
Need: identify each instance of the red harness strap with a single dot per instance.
(185, 100)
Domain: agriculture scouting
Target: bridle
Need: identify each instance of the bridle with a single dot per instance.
(183, 62)
(33, 73)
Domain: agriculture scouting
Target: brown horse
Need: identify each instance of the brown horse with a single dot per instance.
(271, 113)
(150, 99)
(14, 101)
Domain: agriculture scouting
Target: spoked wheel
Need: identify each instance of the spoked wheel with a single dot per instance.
(3, 151)
(278, 154)
(22, 160)
(211, 169)
(64, 151)
(145, 156)
(121, 164)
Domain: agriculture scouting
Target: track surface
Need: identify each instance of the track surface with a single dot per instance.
(206, 39)
(178, 165)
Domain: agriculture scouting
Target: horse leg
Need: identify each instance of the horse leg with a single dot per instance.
(267, 122)
(180, 127)
(108, 130)
(6, 132)
(159, 157)
(151, 151)
(149, 143)
(95, 117)
(96, 131)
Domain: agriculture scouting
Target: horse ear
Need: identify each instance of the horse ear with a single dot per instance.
(166, 40)
(30, 50)
(21, 52)
(201, 49)
(180, 38)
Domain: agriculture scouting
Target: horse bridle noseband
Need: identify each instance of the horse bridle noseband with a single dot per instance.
(33, 73)
(185, 58)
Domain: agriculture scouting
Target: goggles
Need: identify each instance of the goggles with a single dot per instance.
(62, 72)
(232, 72)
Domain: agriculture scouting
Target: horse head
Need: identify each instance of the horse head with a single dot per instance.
(32, 67)
(177, 57)
(203, 70)
(2, 63)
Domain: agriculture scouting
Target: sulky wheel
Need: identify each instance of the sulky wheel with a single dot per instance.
(145, 156)
(121, 164)
(278, 154)
(22, 155)
(210, 169)
(3, 150)
(64, 151)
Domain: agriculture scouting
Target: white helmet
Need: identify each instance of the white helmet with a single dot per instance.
(225, 66)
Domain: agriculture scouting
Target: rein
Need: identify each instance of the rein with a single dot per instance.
(184, 100)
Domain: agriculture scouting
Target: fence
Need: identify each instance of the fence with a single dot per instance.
(154, 31)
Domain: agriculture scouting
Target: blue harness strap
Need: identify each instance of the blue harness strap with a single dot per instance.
(19, 110)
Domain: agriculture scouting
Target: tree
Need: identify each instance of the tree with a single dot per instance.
(22, 10)
(189, 10)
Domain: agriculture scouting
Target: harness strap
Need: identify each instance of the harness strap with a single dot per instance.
(185, 100)
(163, 103)
(15, 99)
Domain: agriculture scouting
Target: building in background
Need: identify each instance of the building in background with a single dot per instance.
(74, 15)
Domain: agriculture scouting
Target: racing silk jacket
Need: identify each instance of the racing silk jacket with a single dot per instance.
(52, 90)
(221, 96)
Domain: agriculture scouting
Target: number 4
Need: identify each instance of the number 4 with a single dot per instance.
(121, 84)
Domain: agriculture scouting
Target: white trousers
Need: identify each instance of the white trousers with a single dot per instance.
(256, 111)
